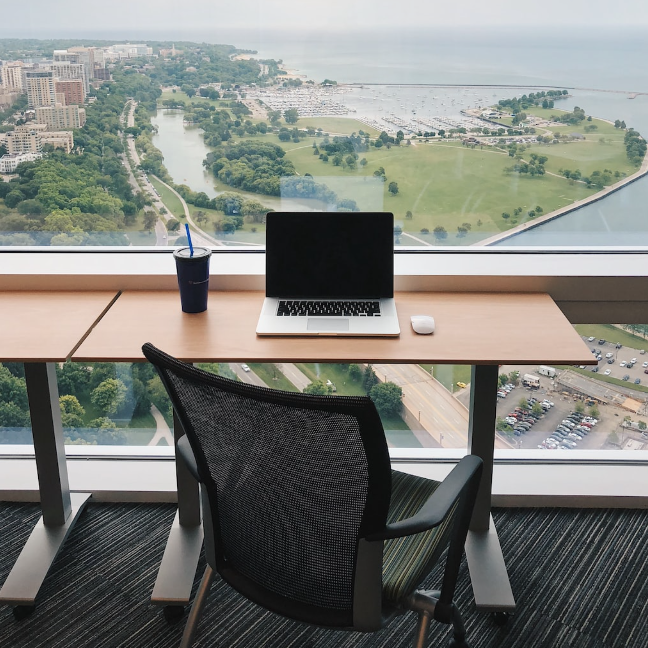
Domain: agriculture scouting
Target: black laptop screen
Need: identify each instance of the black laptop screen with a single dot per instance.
(329, 254)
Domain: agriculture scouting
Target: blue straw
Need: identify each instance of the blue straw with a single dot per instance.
(189, 238)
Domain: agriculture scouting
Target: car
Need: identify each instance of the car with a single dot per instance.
(245, 368)
(610, 361)
(634, 360)
(618, 345)
(587, 424)
(591, 420)
(607, 372)
(626, 377)
(630, 365)
(642, 351)
(510, 420)
(623, 363)
(462, 385)
(637, 381)
(564, 446)
(582, 429)
(645, 370)
(601, 341)
(591, 338)
(595, 369)
(644, 365)
(550, 403)
(570, 443)
(609, 354)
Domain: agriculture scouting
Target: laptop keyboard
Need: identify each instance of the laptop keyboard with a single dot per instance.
(342, 308)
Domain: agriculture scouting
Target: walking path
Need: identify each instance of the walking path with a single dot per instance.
(162, 429)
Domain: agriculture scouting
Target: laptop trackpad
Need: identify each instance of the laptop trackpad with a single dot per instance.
(321, 324)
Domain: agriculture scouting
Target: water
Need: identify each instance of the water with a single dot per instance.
(603, 60)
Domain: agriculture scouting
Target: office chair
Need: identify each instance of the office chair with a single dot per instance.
(302, 513)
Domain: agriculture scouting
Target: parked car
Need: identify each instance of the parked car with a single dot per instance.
(607, 372)
(622, 363)
(591, 338)
(626, 377)
(637, 381)
(601, 341)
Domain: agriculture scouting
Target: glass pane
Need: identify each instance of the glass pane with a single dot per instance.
(15, 424)
(470, 133)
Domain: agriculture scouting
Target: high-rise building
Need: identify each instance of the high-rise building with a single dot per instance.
(40, 88)
(67, 71)
(25, 139)
(58, 117)
(11, 75)
(72, 89)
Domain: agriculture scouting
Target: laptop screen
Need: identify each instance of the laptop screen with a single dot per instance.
(330, 255)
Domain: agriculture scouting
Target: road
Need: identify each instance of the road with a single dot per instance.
(296, 377)
(162, 429)
(439, 413)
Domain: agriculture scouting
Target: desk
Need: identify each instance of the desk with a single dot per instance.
(40, 328)
(480, 329)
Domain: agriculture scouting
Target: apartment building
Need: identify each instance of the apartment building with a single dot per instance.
(25, 139)
(70, 71)
(71, 91)
(58, 117)
(12, 76)
(40, 88)
(10, 161)
(58, 139)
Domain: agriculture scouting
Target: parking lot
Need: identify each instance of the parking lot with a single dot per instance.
(610, 416)
(619, 356)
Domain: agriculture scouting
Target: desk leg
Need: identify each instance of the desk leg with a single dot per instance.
(488, 574)
(178, 568)
(60, 508)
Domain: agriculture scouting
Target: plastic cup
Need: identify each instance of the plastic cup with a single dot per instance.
(193, 278)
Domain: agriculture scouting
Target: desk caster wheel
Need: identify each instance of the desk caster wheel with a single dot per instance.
(21, 612)
(501, 618)
(173, 613)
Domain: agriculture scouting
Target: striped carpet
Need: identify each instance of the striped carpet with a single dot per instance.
(580, 578)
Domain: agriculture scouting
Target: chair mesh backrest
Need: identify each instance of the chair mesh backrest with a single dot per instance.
(297, 480)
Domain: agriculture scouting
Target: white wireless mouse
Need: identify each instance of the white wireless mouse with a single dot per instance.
(423, 324)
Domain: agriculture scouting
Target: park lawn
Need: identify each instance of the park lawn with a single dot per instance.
(337, 374)
(448, 184)
(588, 156)
(272, 376)
(611, 333)
(169, 199)
(181, 96)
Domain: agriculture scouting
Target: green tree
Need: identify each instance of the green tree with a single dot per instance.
(291, 115)
(440, 233)
(319, 388)
(387, 397)
(150, 218)
(523, 403)
(579, 408)
(355, 372)
(642, 425)
(369, 379)
(109, 395)
(536, 409)
(393, 188)
(72, 412)
(503, 379)
(594, 412)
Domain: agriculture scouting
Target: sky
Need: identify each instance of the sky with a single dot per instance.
(69, 18)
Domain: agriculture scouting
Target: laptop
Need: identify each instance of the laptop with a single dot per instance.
(329, 273)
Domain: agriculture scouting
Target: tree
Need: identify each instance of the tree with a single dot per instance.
(355, 373)
(537, 410)
(503, 379)
(393, 188)
(291, 115)
(109, 395)
(524, 403)
(642, 425)
(408, 215)
(369, 379)
(72, 412)
(594, 412)
(579, 408)
(150, 218)
(387, 397)
(440, 233)
(319, 388)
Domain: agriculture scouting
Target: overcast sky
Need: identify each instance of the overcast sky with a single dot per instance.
(42, 18)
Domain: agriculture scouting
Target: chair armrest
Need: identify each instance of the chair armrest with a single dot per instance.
(438, 505)
(184, 450)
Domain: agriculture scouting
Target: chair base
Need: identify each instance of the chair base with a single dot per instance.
(424, 602)
(197, 608)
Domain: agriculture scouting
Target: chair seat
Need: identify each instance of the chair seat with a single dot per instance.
(407, 561)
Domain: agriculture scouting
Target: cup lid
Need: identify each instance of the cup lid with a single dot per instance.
(184, 253)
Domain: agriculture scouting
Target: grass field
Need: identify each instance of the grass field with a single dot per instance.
(611, 333)
(449, 375)
(272, 377)
(169, 199)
